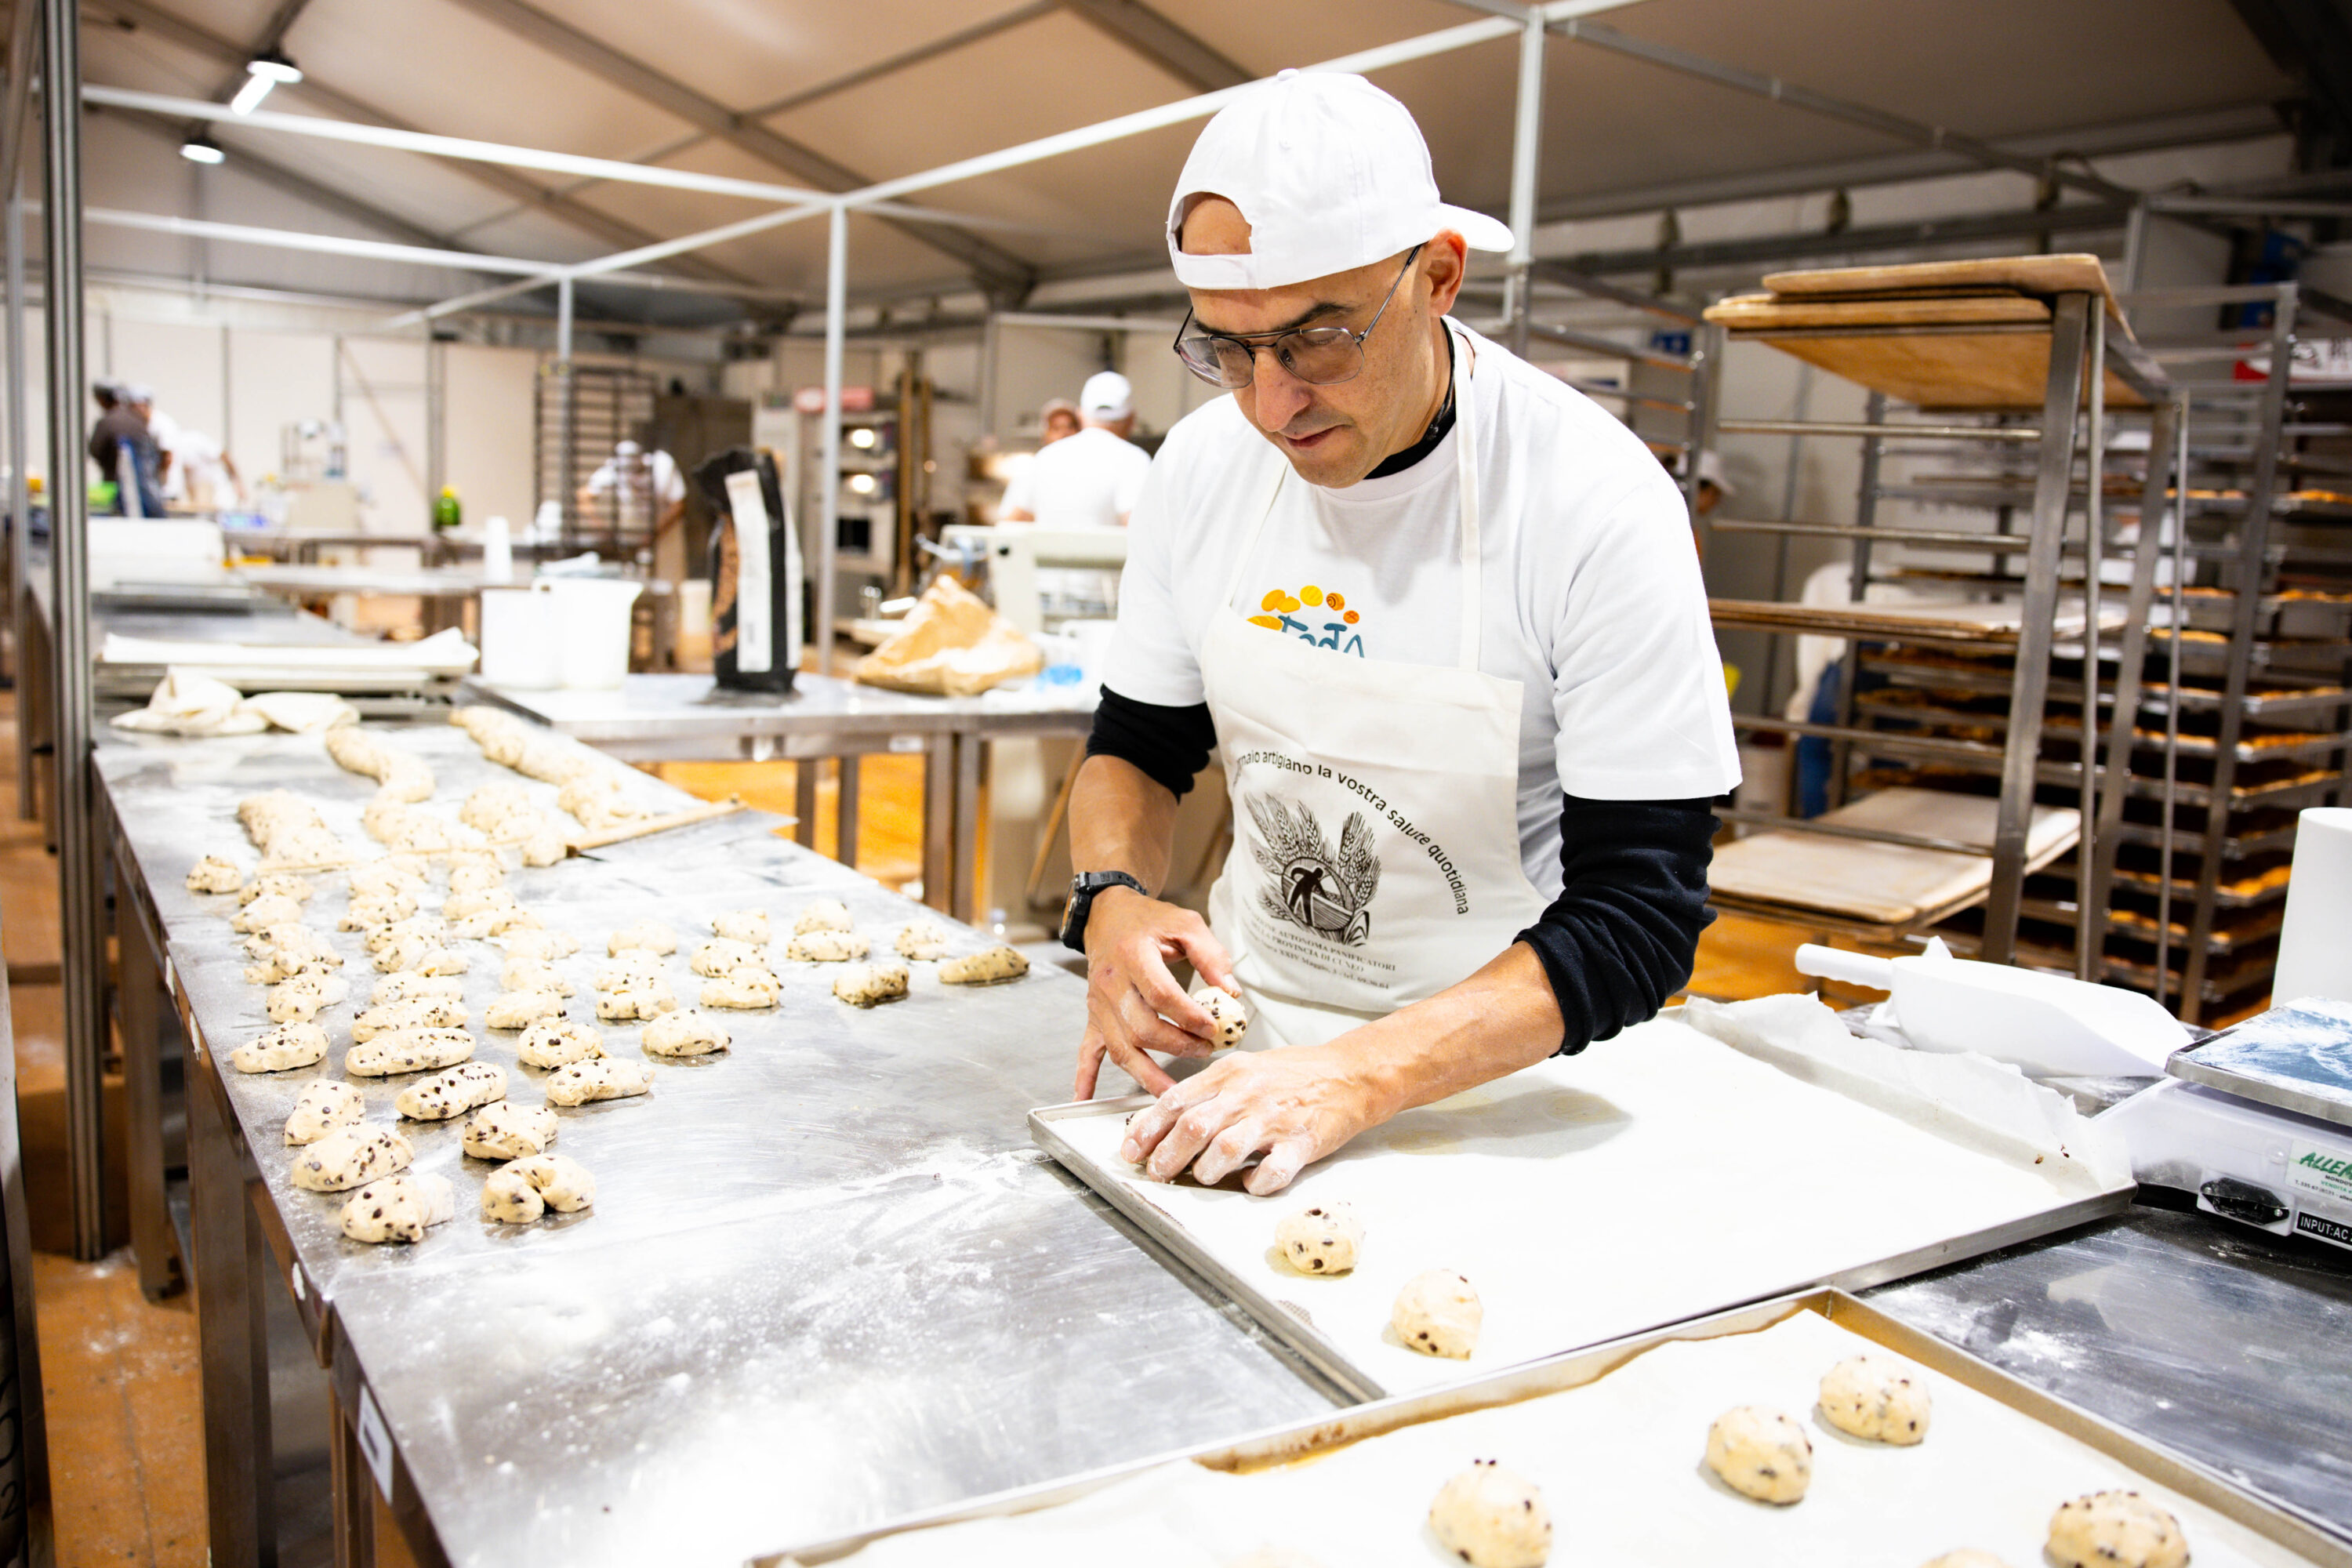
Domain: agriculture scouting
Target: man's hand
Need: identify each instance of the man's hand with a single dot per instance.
(1294, 1105)
(1133, 1002)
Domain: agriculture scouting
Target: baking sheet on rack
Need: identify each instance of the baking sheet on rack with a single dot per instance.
(1656, 1176)
(1619, 1462)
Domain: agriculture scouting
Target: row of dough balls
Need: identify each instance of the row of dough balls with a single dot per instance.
(289, 831)
(590, 792)
(1437, 1313)
(735, 965)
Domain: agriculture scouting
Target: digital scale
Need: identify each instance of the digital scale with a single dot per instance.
(2256, 1121)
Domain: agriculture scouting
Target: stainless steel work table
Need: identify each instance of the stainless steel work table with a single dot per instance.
(675, 718)
(825, 1282)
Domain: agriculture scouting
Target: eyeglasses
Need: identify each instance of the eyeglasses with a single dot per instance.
(1321, 356)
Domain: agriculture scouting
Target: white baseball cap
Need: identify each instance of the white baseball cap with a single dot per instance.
(1106, 395)
(1331, 174)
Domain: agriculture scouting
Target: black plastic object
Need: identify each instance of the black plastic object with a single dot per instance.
(728, 614)
(2243, 1201)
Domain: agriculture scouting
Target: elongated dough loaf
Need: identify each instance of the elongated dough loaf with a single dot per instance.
(522, 1192)
(350, 1156)
(408, 1050)
(871, 985)
(651, 936)
(541, 944)
(399, 1208)
(923, 940)
(453, 1093)
(407, 986)
(281, 1050)
(827, 947)
(723, 955)
(749, 987)
(620, 1006)
(302, 997)
(508, 1130)
(599, 1077)
(742, 925)
(212, 874)
(557, 1042)
(521, 1009)
(686, 1034)
(825, 914)
(993, 967)
(413, 1013)
(321, 1108)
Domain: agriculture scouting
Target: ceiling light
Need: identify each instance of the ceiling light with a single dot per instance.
(248, 97)
(862, 437)
(276, 66)
(200, 149)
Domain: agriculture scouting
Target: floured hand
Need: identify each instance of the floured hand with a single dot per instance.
(1294, 1106)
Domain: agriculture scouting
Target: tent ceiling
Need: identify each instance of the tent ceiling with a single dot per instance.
(891, 87)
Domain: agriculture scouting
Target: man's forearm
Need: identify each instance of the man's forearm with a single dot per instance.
(1501, 1019)
(1120, 820)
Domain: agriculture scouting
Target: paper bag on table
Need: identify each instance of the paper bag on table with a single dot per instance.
(952, 645)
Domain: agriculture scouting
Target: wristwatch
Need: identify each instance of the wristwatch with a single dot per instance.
(1082, 888)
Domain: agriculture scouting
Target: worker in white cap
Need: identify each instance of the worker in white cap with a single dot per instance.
(648, 493)
(1440, 616)
(1090, 479)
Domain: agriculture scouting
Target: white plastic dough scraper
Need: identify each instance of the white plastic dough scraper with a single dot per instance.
(2045, 1023)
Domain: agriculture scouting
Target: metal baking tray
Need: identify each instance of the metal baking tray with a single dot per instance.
(1287, 1325)
(2297, 1057)
(1300, 1440)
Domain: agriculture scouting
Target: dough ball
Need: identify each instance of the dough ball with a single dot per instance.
(1966, 1557)
(521, 1009)
(825, 914)
(451, 1094)
(749, 987)
(1492, 1517)
(742, 925)
(408, 1050)
(304, 996)
(2116, 1530)
(280, 884)
(635, 970)
(429, 927)
(537, 942)
(399, 1208)
(1876, 1397)
(350, 1157)
(506, 1130)
(472, 876)
(993, 967)
(520, 1193)
(213, 875)
(1225, 1009)
(273, 908)
(418, 1012)
(921, 939)
(648, 1002)
(321, 1108)
(556, 1042)
(871, 985)
(1438, 1313)
(1760, 1454)
(480, 901)
(723, 955)
(281, 1050)
(599, 1077)
(687, 1034)
(409, 987)
(827, 947)
(369, 911)
(420, 953)
(648, 936)
(1323, 1240)
(389, 875)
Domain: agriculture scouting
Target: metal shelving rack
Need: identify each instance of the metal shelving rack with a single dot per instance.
(581, 411)
(2065, 477)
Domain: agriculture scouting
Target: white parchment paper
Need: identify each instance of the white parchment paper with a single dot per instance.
(1655, 1177)
(1619, 1461)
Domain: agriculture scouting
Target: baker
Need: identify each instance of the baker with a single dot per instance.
(1441, 616)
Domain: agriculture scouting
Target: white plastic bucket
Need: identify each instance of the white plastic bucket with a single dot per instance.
(592, 619)
(519, 645)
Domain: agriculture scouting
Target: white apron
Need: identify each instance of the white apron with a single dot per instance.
(1376, 840)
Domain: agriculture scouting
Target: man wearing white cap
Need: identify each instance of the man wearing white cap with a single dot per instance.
(1441, 616)
(648, 492)
(1090, 479)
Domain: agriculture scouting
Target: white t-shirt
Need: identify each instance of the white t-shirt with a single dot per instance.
(653, 473)
(1594, 600)
(1090, 479)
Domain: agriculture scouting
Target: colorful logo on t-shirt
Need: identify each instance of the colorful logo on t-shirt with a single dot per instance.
(1312, 615)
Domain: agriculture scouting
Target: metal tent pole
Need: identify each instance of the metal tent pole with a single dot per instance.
(1527, 136)
(828, 479)
(79, 895)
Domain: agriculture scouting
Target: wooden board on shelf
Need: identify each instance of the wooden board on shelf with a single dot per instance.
(1951, 620)
(1959, 371)
(2071, 273)
(1763, 312)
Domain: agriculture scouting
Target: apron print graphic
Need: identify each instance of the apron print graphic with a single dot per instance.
(1309, 884)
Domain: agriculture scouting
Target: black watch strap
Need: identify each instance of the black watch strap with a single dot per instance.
(1082, 888)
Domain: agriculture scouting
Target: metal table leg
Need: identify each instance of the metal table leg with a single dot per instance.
(845, 839)
(154, 1069)
(804, 772)
(971, 754)
(939, 824)
(231, 1266)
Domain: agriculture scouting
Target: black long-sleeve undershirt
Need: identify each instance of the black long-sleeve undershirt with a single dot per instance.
(1618, 941)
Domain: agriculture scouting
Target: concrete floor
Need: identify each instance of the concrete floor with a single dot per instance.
(119, 1373)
